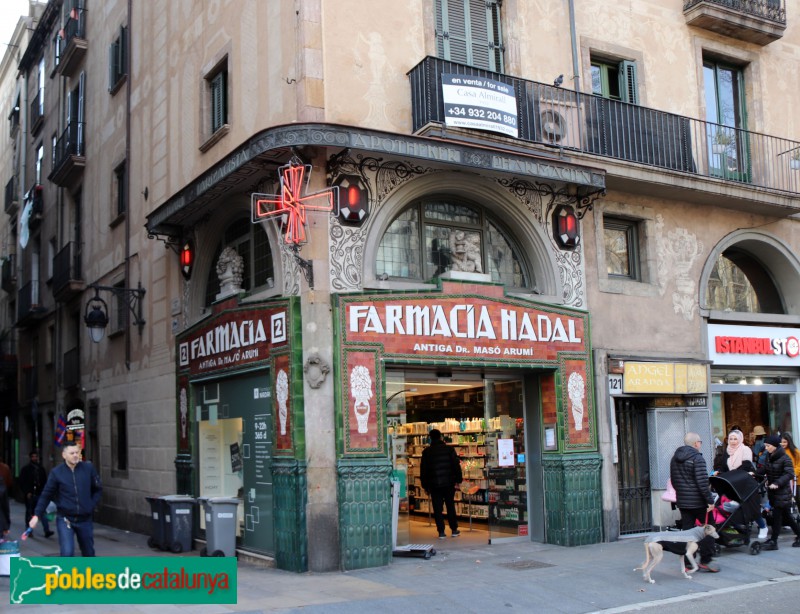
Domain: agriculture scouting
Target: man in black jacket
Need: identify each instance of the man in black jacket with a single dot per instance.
(75, 487)
(440, 472)
(689, 476)
(32, 479)
(780, 472)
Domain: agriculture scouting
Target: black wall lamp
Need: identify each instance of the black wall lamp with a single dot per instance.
(96, 313)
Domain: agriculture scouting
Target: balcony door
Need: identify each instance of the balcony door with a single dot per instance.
(726, 136)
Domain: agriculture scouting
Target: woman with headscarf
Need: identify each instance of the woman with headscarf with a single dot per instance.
(738, 456)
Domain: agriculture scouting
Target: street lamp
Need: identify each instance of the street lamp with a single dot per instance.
(96, 313)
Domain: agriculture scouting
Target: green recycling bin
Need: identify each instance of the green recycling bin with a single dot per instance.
(178, 522)
(221, 515)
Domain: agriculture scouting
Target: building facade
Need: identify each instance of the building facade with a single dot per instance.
(318, 230)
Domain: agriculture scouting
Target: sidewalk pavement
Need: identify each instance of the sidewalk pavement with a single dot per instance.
(462, 577)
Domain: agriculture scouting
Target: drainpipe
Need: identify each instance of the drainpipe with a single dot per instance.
(574, 39)
(127, 181)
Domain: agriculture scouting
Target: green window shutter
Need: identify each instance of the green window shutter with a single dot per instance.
(627, 86)
(112, 55)
(122, 67)
(219, 115)
(469, 32)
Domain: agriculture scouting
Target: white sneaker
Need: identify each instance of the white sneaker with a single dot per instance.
(762, 533)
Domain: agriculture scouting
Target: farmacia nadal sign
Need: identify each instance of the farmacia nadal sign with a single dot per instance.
(464, 328)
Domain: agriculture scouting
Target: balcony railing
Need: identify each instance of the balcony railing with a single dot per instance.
(69, 159)
(12, 197)
(71, 369)
(37, 111)
(564, 119)
(73, 42)
(9, 273)
(67, 273)
(755, 21)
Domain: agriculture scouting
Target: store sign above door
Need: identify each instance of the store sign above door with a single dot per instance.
(480, 104)
(232, 340)
(763, 346)
(464, 328)
(664, 378)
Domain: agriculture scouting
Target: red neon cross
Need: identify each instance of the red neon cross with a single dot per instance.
(290, 203)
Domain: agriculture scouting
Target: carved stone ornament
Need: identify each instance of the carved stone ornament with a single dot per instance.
(316, 370)
(230, 267)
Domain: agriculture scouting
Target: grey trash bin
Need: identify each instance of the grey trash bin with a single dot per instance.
(221, 518)
(157, 513)
(178, 522)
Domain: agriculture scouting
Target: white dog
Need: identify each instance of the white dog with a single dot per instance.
(654, 548)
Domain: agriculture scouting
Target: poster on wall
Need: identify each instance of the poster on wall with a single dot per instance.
(505, 452)
(210, 458)
(236, 458)
(361, 403)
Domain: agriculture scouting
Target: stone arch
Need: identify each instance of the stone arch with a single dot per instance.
(527, 232)
(772, 253)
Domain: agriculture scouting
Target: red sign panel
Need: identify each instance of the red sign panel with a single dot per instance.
(463, 327)
(232, 340)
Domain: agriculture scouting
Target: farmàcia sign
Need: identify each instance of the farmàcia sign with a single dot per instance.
(464, 327)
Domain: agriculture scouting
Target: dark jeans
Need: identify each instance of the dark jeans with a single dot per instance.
(689, 517)
(30, 506)
(781, 516)
(83, 530)
(444, 496)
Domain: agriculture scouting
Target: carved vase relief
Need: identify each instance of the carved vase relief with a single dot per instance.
(678, 251)
(361, 393)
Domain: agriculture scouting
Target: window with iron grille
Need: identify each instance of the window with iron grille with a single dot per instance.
(470, 32)
(118, 61)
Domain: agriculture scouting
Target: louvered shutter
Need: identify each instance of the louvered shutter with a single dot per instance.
(81, 119)
(468, 32)
(628, 86)
(218, 111)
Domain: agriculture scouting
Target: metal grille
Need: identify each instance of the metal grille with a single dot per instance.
(633, 477)
(666, 428)
(518, 565)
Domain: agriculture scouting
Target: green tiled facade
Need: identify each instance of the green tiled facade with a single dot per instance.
(291, 538)
(573, 499)
(365, 515)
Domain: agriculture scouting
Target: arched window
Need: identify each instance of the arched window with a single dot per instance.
(424, 240)
(738, 282)
(251, 243)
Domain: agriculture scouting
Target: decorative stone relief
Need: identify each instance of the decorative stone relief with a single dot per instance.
(316, 370)
(230, 267)
(677, 253)
(465, 252)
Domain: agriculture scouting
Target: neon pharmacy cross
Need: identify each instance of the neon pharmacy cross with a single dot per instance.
(289, 207)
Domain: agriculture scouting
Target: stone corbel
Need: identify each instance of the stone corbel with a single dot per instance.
(316, 370)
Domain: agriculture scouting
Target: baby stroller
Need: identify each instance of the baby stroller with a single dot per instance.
(739, 504)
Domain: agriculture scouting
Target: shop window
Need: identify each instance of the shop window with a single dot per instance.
(469, 32)
(119, 437)
(738, 282)
(252, 244)
(425, 239)
(621, 240)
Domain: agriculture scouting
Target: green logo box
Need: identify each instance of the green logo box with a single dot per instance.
(116, 580)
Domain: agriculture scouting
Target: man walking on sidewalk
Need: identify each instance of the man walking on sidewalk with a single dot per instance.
(75, 487)
(689, 476)
(32, 479)
(440, 471)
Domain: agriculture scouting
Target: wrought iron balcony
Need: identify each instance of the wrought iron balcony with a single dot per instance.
(12, 196)
(67, 273)
(73, 42)
(9, 273)
(583, 123)
(755, 21)
(37, 112)
(69, 159)
(71, 369)
(29, 309)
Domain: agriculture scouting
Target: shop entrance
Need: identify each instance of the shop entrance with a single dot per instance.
(234, 443)
(633, 467)
(490, 421)
(746, 400)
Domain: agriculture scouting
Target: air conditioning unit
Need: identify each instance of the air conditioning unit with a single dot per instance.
(559, 118)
